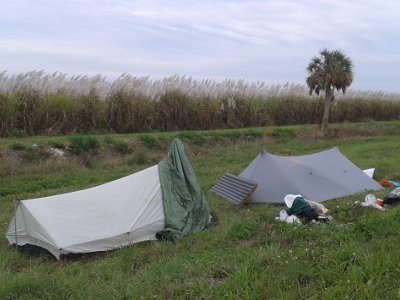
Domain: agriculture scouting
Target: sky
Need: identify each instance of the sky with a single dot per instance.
(269, 40)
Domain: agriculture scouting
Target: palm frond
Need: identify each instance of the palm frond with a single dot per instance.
(331, 70)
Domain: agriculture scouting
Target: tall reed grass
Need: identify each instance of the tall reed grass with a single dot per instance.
(40, 103)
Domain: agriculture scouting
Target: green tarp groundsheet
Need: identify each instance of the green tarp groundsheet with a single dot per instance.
(185, 206)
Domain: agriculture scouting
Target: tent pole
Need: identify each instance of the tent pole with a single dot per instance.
(16, 203)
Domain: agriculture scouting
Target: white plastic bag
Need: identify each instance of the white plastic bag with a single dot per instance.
(370, 200)
(284, 217)
(289, 199)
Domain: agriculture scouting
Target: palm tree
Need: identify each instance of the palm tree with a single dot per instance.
(331, 70)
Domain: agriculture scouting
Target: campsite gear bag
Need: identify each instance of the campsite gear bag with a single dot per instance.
(302, 208)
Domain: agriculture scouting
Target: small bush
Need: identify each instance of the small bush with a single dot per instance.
(283, 133)
(76, 145)
(81, 144)
(92, 142)
(17, 147)
(148, 140)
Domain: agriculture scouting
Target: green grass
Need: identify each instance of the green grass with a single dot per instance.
(245, 254)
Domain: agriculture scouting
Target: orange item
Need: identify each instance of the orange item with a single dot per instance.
(385, 183)
(379, 202)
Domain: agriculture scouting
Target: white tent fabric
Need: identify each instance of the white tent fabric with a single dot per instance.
(318, 177)
(109, 216)
(370, 172)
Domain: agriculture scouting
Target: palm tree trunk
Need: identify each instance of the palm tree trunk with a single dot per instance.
(327, 106)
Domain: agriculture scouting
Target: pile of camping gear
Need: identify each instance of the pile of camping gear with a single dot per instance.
(302, 183)
(303, 209)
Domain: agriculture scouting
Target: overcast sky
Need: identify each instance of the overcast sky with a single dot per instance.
(268, 40)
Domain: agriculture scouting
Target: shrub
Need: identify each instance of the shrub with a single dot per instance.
(17, 147)
(283, 132)
(81, 144)
(148, 140)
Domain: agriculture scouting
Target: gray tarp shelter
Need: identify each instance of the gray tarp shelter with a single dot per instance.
(318, 177)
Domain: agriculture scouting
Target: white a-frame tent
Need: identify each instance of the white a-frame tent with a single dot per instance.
(122, 212)
(115, 214)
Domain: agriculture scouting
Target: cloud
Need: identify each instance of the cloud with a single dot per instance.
(267, 40)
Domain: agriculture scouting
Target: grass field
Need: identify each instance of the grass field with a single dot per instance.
(245, 254)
